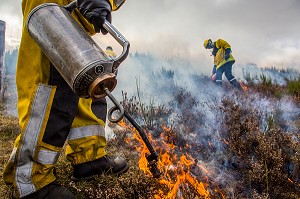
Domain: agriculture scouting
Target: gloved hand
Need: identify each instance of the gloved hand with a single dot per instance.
(95, 11)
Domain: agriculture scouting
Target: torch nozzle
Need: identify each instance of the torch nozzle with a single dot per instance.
(154, 170)
(152, 160)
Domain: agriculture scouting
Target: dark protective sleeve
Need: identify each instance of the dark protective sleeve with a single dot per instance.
(227, 53)
(215, 50)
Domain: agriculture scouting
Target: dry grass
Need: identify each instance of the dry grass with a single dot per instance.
(133, 184)
(268, 159)
(8, 132)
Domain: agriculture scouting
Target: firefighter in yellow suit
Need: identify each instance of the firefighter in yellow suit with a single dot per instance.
(110, 52)
(223, 61)
(50, 114)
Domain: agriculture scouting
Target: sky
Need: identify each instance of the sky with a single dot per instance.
(263, 32)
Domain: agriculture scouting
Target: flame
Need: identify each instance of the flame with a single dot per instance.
(291, 181)
(199, 186)
(225, 141)
(244, 87)
(175, 168)
(127, 140)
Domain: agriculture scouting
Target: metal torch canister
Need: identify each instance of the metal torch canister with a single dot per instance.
(80, 61)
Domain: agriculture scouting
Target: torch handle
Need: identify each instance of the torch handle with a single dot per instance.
(114, 33)
(121, 40)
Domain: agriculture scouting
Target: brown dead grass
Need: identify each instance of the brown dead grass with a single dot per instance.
(268, 159)
(8, 133)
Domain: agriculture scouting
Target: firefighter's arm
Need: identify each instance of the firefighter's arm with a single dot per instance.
(223, 44)
(227, 53)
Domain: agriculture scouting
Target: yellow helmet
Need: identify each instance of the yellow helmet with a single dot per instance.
(206, 42)
(109, 48)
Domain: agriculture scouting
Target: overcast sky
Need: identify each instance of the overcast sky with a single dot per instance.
(264, 32)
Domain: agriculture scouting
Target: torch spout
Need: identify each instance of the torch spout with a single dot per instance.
(152, 158)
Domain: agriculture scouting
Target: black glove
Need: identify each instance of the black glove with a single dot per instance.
(95, 11)
(227, 53)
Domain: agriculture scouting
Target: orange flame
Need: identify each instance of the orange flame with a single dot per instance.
(244, 87)
(175, 170)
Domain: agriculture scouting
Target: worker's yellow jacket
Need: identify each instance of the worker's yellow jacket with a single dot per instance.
(31, 164)
(219, 53)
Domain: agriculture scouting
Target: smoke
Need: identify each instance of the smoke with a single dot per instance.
(196, 101)
(147, 71)
(289, 113)
(154, 76)
(255, 73)
(10, 12)
(265, 33)
(160, 80)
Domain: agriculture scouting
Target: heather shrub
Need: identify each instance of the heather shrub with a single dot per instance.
(266, 156)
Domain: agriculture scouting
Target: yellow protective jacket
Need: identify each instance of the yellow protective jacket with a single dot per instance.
(31, 164)
(219, 53)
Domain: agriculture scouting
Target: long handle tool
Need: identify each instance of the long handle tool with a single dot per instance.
(152, 158)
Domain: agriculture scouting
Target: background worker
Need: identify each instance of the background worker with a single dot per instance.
(110, 52)
(223, 61)
(50, 114)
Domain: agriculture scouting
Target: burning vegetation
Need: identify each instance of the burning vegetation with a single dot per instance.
(251, 154)
(228, 144)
